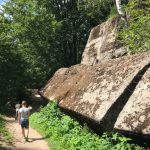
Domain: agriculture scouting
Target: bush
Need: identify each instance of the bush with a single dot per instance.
(65, 133)
(136, 36)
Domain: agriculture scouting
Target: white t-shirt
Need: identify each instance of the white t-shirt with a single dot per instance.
(24, 112)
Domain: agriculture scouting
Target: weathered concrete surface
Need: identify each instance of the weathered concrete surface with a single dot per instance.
(102, 44)
(135, 116)
(93, 91)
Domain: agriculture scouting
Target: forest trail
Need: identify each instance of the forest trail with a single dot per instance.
(36, 141)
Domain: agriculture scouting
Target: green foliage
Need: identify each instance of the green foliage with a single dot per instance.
(77, 17)
(5, 136)
(11, 65)
(63, 133)
(98, 10)
(33, 32)
(137, 35)
(28, 54)
(38, 37)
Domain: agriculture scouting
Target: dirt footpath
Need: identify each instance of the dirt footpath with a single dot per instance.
(36, 142)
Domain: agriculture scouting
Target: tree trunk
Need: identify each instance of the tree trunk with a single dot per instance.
(119, 8)
(121, 12)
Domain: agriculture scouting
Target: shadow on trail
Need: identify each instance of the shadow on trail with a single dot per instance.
(36, 139)
(6, 148)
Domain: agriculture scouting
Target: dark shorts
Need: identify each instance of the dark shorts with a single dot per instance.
(25, 123)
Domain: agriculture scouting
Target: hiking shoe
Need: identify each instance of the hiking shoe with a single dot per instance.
(26, 139)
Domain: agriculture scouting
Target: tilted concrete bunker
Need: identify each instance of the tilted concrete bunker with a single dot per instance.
(100, 92)
(114, 93)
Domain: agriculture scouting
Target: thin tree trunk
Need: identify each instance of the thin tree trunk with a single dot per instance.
(121, 12)
(119, 8)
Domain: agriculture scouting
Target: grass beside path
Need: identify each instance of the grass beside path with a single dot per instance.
(5, 136)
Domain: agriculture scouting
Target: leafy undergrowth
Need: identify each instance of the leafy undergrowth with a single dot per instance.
(64, 133)
(5, 136)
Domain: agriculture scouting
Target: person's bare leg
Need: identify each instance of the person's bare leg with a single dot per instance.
(27, 132)
(23, 132)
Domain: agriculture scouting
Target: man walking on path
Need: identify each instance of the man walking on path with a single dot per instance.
(23, 119)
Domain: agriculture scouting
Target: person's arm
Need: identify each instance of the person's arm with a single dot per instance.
(19, 116)
(28, 114)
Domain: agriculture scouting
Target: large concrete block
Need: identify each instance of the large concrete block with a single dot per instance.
(97, 92)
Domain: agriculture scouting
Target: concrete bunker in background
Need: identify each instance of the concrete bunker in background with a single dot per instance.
(102, 44)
